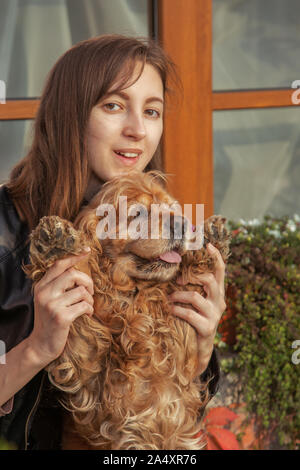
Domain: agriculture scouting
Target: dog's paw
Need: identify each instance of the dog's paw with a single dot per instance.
(195, 262)
(214, 229)
(54, 238)
(216, 233)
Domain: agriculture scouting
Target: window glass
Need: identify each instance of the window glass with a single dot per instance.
(257, 163)
(256, 43)
(35, 33)
(15, 138)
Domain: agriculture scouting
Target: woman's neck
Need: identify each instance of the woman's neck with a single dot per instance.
(93, 188)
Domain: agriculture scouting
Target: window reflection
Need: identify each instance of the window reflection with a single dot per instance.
(34, 33)
(256, 44)
(257, 162)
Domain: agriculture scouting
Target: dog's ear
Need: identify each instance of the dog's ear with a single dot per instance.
(121, 281)
(86, 222)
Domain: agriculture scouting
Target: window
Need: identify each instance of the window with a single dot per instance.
(33, 34)
(234, 143)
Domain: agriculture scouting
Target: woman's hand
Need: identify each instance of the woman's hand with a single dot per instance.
(209, 309)
(55, 308)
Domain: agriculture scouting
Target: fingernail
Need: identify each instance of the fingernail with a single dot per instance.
(87, 248)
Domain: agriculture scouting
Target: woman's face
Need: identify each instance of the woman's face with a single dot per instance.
(128, 122)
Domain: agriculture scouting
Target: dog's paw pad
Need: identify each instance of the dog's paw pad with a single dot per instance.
(44, 235)
(217, 234)
(215, 229)
(55, 237)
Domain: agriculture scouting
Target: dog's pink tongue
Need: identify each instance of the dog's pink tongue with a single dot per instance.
(171, 257)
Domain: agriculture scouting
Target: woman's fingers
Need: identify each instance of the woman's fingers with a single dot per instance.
(201, 323)
(219, 265)
(69, 302)
(73, 277)
(193, 298)
(60, 266)
(210, 285)
(76, 295)
(79, 309)
(63, 294)
(62, 276)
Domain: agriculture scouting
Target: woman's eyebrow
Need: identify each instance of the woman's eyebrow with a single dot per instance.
(124, 95)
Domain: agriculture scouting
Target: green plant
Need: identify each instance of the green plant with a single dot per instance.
(262, 285)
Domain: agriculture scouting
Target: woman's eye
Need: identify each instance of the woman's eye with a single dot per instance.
(152, 111)
(110, 106)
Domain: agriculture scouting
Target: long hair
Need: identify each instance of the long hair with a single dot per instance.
(53, 177)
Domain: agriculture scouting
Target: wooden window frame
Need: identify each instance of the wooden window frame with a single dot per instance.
(26, 109)
(185, 31)
(186, 34)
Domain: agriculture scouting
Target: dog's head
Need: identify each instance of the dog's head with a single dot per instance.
(140, 226)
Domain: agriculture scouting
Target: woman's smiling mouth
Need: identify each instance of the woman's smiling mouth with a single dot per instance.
(128, 156)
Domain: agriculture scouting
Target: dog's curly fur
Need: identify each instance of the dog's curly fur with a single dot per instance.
(129, 372)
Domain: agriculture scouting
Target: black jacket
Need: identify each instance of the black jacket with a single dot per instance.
(30, 424)
(35, 420)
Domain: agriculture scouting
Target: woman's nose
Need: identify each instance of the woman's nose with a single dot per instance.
(134, 126)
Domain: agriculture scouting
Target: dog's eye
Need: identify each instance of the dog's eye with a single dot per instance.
(138, 215)
(137, 211)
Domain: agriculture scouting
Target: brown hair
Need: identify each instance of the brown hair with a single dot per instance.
(52, 178)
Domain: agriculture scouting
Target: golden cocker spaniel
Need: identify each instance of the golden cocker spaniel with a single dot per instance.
(128, 373)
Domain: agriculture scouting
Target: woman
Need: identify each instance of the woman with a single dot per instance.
(100, 115)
